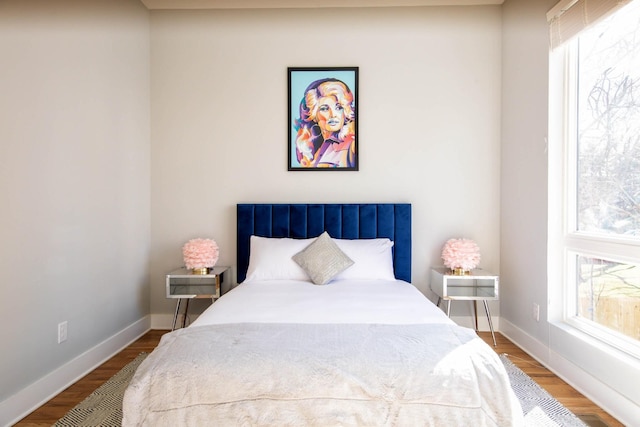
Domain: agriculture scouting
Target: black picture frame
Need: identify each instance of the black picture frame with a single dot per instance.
(322, 119)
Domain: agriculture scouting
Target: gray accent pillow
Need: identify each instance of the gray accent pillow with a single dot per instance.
(322, 260)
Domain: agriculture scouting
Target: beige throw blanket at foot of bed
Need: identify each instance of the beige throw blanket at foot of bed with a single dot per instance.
(321, 375)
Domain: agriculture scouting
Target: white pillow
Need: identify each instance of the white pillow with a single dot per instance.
(322, 260)
(372, 259)
(271, 258)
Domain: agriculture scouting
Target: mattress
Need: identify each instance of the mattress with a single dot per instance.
(348, 301)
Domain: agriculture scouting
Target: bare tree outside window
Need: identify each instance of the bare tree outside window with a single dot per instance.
(608, 167)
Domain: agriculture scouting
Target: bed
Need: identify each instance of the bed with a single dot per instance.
(324, 329)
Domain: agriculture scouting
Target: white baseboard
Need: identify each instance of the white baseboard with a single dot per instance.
(162, 321)
(35, 395)
(483, 323)
(165, 321)
(626, 411)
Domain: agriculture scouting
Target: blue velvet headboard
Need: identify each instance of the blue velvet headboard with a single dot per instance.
(342, 221)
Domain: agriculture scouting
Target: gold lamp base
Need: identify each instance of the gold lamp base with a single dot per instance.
(203, 270)
(460, 272)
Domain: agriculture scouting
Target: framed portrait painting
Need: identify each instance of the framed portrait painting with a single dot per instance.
(323, 118)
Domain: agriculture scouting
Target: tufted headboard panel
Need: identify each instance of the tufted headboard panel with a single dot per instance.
(342, 221)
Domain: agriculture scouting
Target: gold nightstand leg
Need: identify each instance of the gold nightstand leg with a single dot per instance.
(475, 313)
(175, 316)
(186, 310)
(486, 308)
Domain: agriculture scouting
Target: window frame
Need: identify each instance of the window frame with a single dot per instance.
(566, 242)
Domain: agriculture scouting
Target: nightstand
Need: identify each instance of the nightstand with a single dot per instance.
(478, 285)
(183, 284)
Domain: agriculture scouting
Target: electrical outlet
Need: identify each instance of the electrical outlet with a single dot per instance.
(62, 332)
(536, 312)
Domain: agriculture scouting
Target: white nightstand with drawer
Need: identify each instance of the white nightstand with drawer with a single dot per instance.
(477, 285)
(184, 284)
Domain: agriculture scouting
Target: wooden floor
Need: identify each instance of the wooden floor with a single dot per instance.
(55, 409)
(563, 392)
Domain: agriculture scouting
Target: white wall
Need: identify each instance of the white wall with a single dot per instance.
(429, 130)
(523, 189)
(89, 196)
(74, 181)
(609, 379)
(439, 127)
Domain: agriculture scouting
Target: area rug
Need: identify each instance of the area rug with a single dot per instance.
(103, 407)
(539, 407)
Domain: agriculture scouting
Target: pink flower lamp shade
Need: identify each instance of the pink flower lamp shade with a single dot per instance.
(200, 255)
(461, 255)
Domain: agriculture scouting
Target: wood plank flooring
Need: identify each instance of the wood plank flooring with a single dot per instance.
(55, 409)
(563, 392)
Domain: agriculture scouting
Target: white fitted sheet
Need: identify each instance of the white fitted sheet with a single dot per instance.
(345, 301)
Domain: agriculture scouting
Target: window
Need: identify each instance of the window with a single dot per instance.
(600, 232)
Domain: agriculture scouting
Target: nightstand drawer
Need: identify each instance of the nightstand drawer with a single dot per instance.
(479, 285)
(193, 290)
(182, 283)
(471, 292)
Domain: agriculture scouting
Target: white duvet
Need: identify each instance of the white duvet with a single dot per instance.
(295, 354)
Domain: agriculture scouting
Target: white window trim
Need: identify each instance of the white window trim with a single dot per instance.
(564, 242)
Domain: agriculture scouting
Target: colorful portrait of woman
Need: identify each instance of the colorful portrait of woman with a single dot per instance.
(323, 126)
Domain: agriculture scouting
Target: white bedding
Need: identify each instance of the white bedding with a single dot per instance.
(348, 301)
(349, 353)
